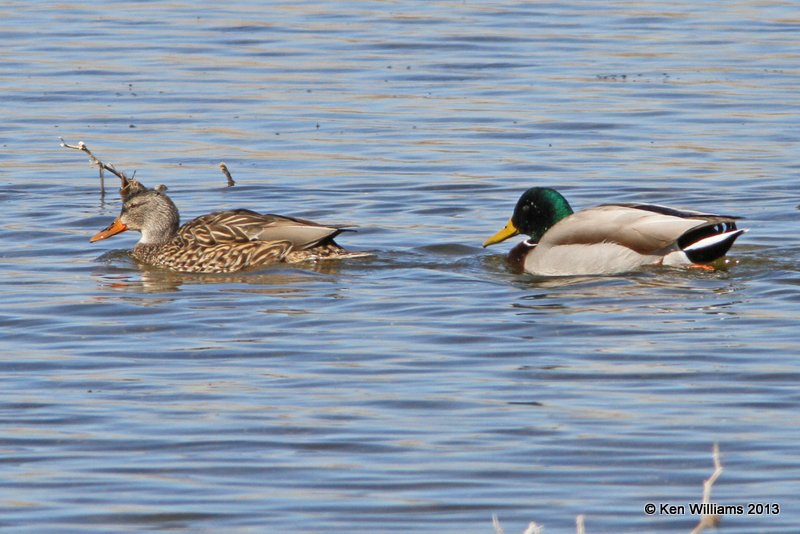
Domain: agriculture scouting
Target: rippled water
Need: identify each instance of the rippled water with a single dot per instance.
(429, 387)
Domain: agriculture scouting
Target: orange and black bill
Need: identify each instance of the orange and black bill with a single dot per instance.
(113, 229)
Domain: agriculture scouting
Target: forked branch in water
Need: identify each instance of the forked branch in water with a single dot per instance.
(710, 520)
(706, 521)
(127, 185)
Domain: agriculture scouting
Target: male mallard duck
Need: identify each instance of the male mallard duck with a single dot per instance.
(611, 238)
(220, 242)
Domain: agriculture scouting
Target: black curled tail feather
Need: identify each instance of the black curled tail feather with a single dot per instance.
(710, 241)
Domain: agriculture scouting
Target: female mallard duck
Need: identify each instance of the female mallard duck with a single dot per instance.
(220, 242)
(611, 238)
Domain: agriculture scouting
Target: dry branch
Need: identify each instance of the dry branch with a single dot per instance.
(498, 528)
(127, 187)
(706, 521)
(579, 527)
(710, 520)
(533, 527)
(227, 173)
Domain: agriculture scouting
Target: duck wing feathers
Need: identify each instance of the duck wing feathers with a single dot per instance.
(643, 228)
(241, 226)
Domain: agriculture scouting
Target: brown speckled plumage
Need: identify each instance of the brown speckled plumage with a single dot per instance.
(220, 242)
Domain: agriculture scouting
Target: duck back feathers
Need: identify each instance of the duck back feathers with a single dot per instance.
(244, 225)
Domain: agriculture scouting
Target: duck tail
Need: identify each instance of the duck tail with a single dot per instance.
(707, 242)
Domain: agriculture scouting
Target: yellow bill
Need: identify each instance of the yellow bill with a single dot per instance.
(509, 230)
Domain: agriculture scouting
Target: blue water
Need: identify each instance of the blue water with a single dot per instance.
(428, 387)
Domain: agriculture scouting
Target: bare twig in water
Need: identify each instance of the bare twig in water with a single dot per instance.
(127, 185)
(227, 173)
(533, 528)
(710, 520)
(498, 528)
